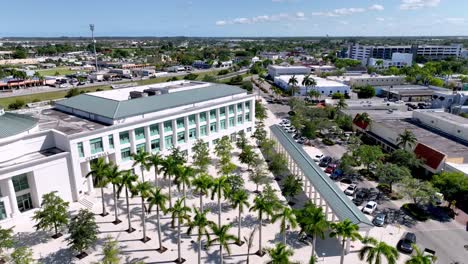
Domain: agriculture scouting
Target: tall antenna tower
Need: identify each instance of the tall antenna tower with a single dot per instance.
(91, 27)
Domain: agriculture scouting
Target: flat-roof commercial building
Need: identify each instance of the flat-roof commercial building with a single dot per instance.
(324, 86)
(375, 80)
(406, 93)
(57, 144)
(277, 70)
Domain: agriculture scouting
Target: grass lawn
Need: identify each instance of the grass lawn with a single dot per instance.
(60, 70)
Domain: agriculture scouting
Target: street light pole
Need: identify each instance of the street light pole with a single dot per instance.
(91, 27)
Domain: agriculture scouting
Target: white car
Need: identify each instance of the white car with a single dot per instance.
(317, 158)
(350, 190)
(370, 207)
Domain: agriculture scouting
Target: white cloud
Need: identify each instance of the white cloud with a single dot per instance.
(263, 19)
(221, 23)
(381, 19)
(376, 7)
(417, 4)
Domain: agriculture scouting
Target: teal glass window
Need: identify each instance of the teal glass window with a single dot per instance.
(231, 122)
(155, 146)
(168, 142)
(80, 149)
(239, 107)
(247, 105)
(154, 130)
(222, 112)
(239, 119)
(247, 117)
(96, 145)
(222, 124)
(202, 117)
(168, 126)
(203, 131)
(180, 122)
(2, 211)
(20, 182)
(213, 127)
(124, 137)
(191, 119)
(192, 133)
(141, 147)
(140, 133)
(231, 109)
(126, 154)
(213, 114)
(111, 141)
(181, 137)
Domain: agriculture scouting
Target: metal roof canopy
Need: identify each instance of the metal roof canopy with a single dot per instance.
(341, 205)
(12, 124)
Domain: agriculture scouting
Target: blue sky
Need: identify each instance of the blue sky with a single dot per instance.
(50, 18)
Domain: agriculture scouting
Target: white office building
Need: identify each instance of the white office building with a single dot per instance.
(51, 149)
(324, 86)
(399, 60)
(277, 70)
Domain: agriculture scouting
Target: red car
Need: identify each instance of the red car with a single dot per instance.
(331, 168)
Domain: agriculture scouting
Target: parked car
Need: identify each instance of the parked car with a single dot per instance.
(351, 189)
(359, 198)
(406, 243)
(370, 207)
(317, 158)
(347, 180)
(325, 161)
(337, 174)
(379, 219)
(330, 168)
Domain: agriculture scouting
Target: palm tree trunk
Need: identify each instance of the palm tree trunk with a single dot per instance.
(201, 202)
(170, 192)
(142, 173)
(221, 252)
(128, 211)
(199, 248)
(240, 226)
(219, 208)
(116, 210)
(156, 177)
(178, 240)
(185, 194)
(159, 228)
(342, 251)
(284, 236)
(104, 212)
(260, 236)
(143, 220)
(313, 245)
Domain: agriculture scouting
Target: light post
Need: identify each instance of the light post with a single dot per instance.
(91, 27)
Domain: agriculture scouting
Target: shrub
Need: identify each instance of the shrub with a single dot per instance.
(338, 96)
(36, 100)
(415, 211)
(72, 92)
(17, 104)
(223, 72)
(99, 90)
(191, 76)
(366, 92)
(328, 142)
(247, 85)
(395, 196)
(383, 187)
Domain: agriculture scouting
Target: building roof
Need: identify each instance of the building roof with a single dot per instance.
(321, 82)
(115, 109)
(12, 124)
(341, 205)
(431, 157)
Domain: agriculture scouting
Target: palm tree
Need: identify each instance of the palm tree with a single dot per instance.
(155, 160)
(286, 217)
(314, 94)
(170, 167)
(114, 175)
(240, 199)
(341, 104)
(179, 212)
(346, 230)
(143, 188)
(280, 254)
(407, 138)
(262, 206)
(312, 221)
(98, 174)
(201, 223)
(202, 184)
(223, 238)
(364, 118)
(141, 158)
(420, 258)
(249, 240)
(158, 199)
(375, 250)
(308, 82)
(221, 189)
(128, 181)
(293, 83)
(184, 178)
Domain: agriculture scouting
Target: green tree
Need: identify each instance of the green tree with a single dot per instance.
(200, 222)
(259, 176)
(114, 175)
(272, 198)
(223, 238)
(156, 161)
(313, 222)
(248, 156)
(314, 94)
(158, 199)
(375, 250)
(179, 212)
(141, 158)
(420, 192)
(98, 173)
(261, 206)
(110, 251)
(17, 104)
(280, 254)
(391, 173)
(345, 230)
(224, 148)
(72, 92)
(419, 257)
(293, 85)
(184, 179)
(201, 155)
(366, 92)
(453, 185)
(260, 111)
(220, 188)
(83, 232)
(308, 82)
(405, 158)
(341, 104)
(240, 199)
(369, 155)
(260, 133)
(22, 255)
(6, 240)
(278, 163)
(53, 214)
(268, 147)
(407, 139)
(292, 186)
(286, 217)
(170, 168)
(202, 184)
(143, 189)
(128, 181)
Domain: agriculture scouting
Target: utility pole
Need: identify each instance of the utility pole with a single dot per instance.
(91, 27)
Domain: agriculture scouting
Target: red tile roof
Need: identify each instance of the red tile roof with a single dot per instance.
(359, 123)
(431, 157)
